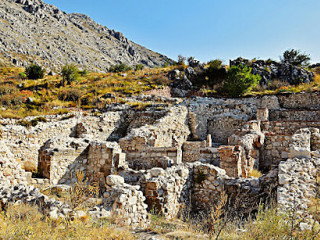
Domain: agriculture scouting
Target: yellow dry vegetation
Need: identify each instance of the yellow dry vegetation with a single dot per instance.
(25, 222)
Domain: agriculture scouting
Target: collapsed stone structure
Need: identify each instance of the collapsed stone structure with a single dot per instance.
(175, 157)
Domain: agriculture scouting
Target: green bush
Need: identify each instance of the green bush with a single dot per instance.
(215, 64)
(215, 72)
(139, 67)
(23, 75)
(70, 95)
(240, 80)
(181, 60)
(34, 71)
(296, 58)
(70, 73)
(84, 72)
(119, 68)
(32, 123)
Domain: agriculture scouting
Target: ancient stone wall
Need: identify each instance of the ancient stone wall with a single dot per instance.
(104, 158)
(294, 115)
(24, 142)
(208, 186)
(210, 155)
(231, 160)
(220, 117)
(134, 118)
(60, 159)
(300, 101)
(161, 140)
(298, 175)
(223, 126)
(297, 182)
(154, 157)
(243, 152)
(211, 184)
(126, 202)
(286, 127)
(278, 137)
(11, 171)
(167, 190)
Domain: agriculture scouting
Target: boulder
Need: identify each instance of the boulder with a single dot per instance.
(174, 74)
(113, 180)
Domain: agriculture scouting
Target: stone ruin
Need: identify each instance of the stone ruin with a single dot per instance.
(168, 160)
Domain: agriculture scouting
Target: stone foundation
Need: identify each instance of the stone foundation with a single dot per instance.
(59, 160)
(125, 202)
(167, 190)
(104, 158)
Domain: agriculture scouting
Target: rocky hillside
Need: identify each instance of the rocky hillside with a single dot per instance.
(32, 30)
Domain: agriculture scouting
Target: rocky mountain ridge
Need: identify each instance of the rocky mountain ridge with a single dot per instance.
(32, 30)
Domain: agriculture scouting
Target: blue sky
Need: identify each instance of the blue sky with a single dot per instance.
(210, 29)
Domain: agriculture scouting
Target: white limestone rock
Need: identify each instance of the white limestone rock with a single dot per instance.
(113, 180)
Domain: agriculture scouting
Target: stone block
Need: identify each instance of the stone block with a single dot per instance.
(113, 180)
(299, 152)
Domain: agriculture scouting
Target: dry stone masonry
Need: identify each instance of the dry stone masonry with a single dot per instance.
(104, 158)
(177, 159)
(125, 201)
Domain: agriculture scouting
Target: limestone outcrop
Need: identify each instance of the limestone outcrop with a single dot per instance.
(271, 70)
(36, 31)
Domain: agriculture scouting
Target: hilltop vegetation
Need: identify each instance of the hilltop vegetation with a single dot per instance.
(21, 97)
(52, 94)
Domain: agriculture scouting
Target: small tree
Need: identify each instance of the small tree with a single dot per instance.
(181, 60)
(240, 80)
(215, 72)
(119, 68)
(296, 58)
(139, 67)
(34, 71)
(215, 64)
(70, 73)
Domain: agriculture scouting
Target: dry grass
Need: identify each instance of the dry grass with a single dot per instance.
(25, 222)
(89, 90)
(86, 93)
(255, 173)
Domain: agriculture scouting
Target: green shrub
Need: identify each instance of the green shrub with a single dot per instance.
(296, 58)
(34, 71)
(33, 122)
(67, 117)
(70, 95)
(240, 80)
(139, 67)
(181, 60)
(70, 73)
(23, 75)
(119, 68)
(215, 72)
(84, 72)
(167, 64)
(200, 177)
(215, 64)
